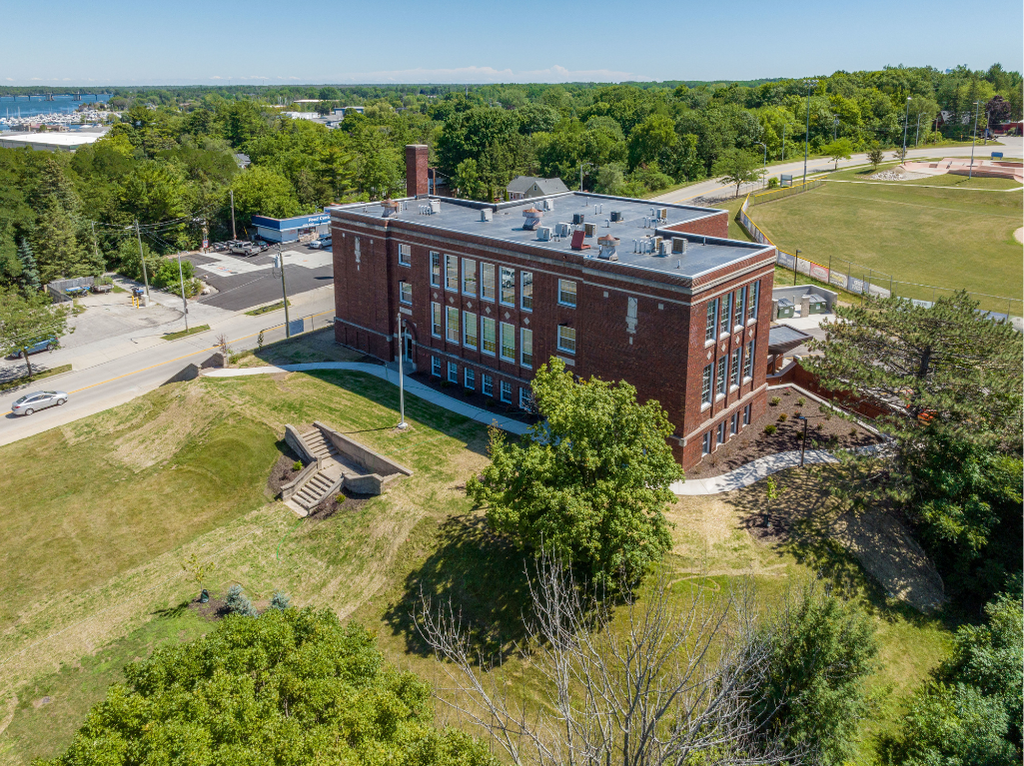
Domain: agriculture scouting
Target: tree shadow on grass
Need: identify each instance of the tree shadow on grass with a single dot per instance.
(805, 522)
(481, 574)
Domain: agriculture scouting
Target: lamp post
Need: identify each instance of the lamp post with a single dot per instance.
(970, 170)
(807, 134)
(582, 165)
(783, 157)
(401, 377)
(284, 295)
(764, 169)
(184, 302)
(803, 444)
(796, 266)
(906, 123)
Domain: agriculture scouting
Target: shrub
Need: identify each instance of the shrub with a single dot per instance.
(820, 427)
(445, 384)
(774, 401)
(238, 603)
(297, 465)
(782, 417)
(800, 402)
(770, 429)
(773, 183)
(853, 432)
(280, 601)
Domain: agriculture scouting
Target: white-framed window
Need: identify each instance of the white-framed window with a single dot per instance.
(435, 269)
(486, 384)
(721, 432)
(508, 342)
(453, 372)
(734, 369)
(738, 306)
(748, 362)
(705, 385)
(567, 338)
(734, 423)
(488, 336)
(405, 293)
(468, 378)
(469, 276)
(435, 319)
(753, 294)
(526, 347)
(451, 272)
(566, 293)
(469, 339)
(709, 333)
(526, 398)
(746, 415)
(405, 255)
(707, 442)
(508, 286)
(526, 290)
(725, 315)
(505, 389)
(632, 310)
(435, 366)
(720, 379)
(487, 291)
(451, 325)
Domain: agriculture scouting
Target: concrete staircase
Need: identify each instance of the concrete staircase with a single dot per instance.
(326, 477)
(318, 445)
(313, 491)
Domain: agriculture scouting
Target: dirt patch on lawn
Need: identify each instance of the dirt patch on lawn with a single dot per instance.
(351, 502)
(826, 429)
(282, 473)
(213, 610)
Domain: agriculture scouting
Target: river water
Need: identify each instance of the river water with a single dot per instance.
(10, 106)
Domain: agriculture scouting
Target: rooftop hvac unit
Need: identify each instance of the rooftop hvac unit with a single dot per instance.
(563, 229)
(486, 214)
(656, 245)
(589, 229)
(663, 214)
(549, 204)
(678, 245)
(577, 218)
(544, 233)
(616, 216)
(435, 206)
(664, 247)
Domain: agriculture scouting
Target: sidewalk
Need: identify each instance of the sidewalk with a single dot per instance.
(751, 473)
(413, 387)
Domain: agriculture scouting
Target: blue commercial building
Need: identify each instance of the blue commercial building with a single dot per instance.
(300, 228)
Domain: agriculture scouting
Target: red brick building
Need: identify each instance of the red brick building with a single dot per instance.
(654, 294)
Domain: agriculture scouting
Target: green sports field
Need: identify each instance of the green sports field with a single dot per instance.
(952, 238)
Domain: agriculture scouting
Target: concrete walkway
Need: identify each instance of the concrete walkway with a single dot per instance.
(743, 476)
(413, 387)
(751, 473)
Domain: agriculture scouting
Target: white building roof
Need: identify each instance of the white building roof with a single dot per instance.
(69, 140)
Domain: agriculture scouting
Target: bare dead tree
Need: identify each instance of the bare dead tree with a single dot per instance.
(667, 680)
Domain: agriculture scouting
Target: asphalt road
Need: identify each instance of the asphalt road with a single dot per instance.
(1012, 147)
(132, 368)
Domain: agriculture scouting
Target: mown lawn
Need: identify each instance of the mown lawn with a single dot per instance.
(953, 239)
(94, 553)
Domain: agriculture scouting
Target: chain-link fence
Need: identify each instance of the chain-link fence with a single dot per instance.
(296, 326)
(861, 280)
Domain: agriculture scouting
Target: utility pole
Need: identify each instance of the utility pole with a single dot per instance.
(970, 170)
(401, 377)
(917, 130)
(284, 294)
(783, 157)
(232, 193)
(142, 257)
(906, 123)
(184, 303)
(764, 169)
(95, 244)
(807, 135)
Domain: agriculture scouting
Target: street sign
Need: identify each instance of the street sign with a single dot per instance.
(206, 243)
(786, 180)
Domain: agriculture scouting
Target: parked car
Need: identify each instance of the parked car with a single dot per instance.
(39, 400)
(43, 345)
(324, 243)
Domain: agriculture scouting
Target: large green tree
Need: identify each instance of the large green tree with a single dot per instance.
(27, 319)
(290, 687)
(591, 480)
(739, 167)
(261, 191)
(812, 694)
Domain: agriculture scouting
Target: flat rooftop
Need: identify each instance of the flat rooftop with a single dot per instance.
(67, 140)
(638, 221)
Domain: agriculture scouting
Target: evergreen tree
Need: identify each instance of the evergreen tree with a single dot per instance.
(29, 271)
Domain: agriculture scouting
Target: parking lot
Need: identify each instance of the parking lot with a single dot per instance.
(243, 282)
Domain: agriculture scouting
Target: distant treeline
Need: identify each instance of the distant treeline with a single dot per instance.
(169, 163)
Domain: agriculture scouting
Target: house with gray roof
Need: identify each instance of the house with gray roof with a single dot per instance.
(522, 187)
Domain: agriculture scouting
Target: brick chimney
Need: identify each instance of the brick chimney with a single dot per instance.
(416, 170)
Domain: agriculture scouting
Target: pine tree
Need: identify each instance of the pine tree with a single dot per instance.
(29, 271)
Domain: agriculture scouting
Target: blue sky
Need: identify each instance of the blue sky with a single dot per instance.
(225, 41)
